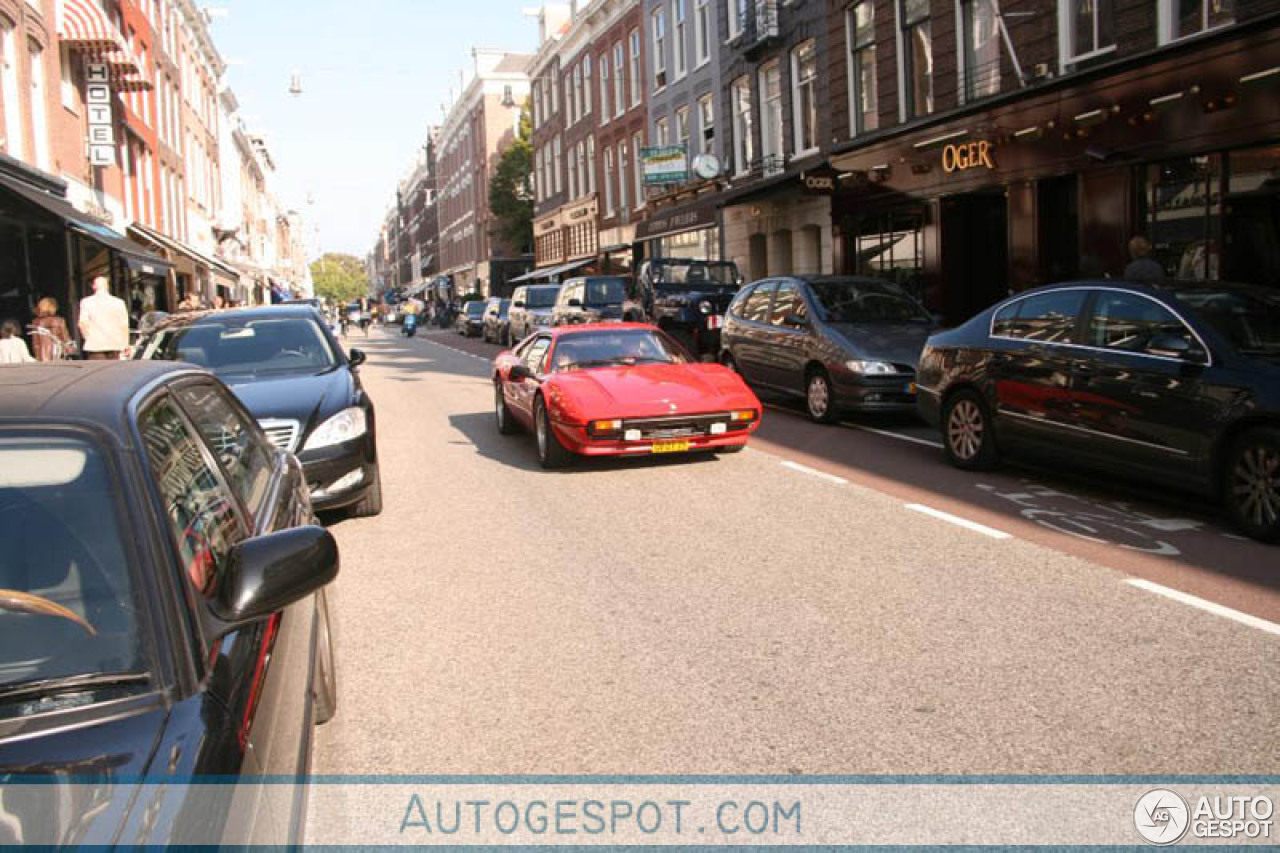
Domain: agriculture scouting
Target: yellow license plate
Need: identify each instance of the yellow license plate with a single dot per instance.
(671, 446)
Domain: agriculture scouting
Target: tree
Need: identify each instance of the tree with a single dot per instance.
(511, 190)
(340, 277)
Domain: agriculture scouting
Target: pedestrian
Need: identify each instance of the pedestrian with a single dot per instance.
(218, 302)
(13, 349)
(52, 339)
(104, 323)
(189, 302)
(1143, 268)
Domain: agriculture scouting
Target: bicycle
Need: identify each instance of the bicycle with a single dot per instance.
(60, 350)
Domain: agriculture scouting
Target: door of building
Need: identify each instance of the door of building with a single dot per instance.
(975, 254)
(1058, 227)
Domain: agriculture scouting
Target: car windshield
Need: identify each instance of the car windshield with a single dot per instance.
(713, 273)
(606, 291)
(1250, 320)
(542, 297)
(625, 347)
(474, 309)
(260, 345)
(866, 302)
(68, 612)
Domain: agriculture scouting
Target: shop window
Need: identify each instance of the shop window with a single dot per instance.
(1183, 211)
(917, 57)
(982, 48)
(1181, 18)
(889, 246)
(860, 35)
(1252, 216)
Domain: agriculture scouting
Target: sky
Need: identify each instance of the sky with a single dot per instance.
(374, 75)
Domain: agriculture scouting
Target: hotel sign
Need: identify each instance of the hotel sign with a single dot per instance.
(969, 155)
(102, 141)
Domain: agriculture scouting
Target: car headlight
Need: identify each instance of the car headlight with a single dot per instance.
(871, 368)
(705, 307)
(347, 425)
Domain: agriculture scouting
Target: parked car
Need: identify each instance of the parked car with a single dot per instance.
(286, 366)
(163, 609)
(495, 326)
(593, 299)
(1176, 384)
(469, 322)
(688, 299)
(843, 344)
(618, 390)
(531, 308)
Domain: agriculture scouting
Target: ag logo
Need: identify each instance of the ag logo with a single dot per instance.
(1161, 816)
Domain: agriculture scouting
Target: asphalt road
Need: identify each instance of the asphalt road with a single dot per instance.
(799, 608)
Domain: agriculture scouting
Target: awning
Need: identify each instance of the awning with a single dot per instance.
(137, 258)
(84, 24)
(550, 272)
(230, 275)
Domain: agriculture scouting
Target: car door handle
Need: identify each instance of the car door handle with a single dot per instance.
(1084, 368)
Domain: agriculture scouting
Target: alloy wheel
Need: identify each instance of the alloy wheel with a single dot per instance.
(965, 430)
(542, 433)
(1256, 484)
(819, 396)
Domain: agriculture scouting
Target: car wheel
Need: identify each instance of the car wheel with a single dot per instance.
(551, 453)
(371, 504)
(968, 434)
(1252, 483)
(820, 397)
(502, 414)
(324, 682)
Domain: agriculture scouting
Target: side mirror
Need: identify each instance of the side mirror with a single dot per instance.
(356, 357)
(266, 574)
(519, 373)
(575, 303)
(517, 305)
(1174, 346)
(796, 320)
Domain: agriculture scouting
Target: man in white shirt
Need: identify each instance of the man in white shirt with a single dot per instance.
(104, 322)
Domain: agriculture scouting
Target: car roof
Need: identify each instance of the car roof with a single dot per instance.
(565, 331)
(94, 391)
(260, 312)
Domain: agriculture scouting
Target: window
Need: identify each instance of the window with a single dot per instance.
(917, 58)
(804, 97)
(623, 160)
(1047, 318)
(637, 144)
(68, 79)
(554, 82)
(1182, 18)
(589, 161)
(1129, 322)
(245, 459)
(574, 170)
(586, 85)
(787, 305)
(682, 127)
(39, 108)
(14, 131)
(1184, 214)
(619, 82)
(608, 182)
(1085, 29)
(659, 48)
(771, 118)
(605, 89)
(756, 309)
(202, 521)
(680, 34)
(662, 132)
(707, 123)
(575, 101)
(743, 145)
(889, 245)
(555, 155)
(536, 354)
(982, 48)
(537, 104)
(701, 32)
(737, 12)
(860, 34)
(633, 47)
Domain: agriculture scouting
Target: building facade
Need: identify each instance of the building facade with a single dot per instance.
(621, 129)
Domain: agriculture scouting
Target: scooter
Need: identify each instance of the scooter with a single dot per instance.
(410, 325)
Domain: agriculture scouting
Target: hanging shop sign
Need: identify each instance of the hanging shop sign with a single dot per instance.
(819, 181)
(102, 141)
(969, 155)
(665, 164)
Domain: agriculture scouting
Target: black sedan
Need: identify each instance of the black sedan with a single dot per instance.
(286, 366)
(841, 344)
(162, 608)
(1176, 384)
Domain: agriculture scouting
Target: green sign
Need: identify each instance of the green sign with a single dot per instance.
(665, 164)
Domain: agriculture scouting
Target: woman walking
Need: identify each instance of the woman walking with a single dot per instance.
(49, 334)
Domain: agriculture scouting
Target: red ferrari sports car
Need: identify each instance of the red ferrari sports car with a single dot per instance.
(618, 389)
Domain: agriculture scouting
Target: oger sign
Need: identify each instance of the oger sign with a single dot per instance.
(971, 155)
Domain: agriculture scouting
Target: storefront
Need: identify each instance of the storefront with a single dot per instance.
(617, 255)
(1052, 186)
(786, 230)
(564, 241)
(691, 232)
(194, 273)
(50, 249)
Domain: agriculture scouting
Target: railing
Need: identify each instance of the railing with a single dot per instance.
(759, 22)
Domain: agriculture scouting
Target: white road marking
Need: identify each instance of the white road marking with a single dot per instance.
(957, 520)
(1207, 606)
(891, 434)
(805, 469)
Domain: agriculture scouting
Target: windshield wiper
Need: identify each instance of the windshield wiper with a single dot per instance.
(44, 687)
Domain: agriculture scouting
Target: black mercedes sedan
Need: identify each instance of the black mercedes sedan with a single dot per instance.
(290, 372)
(162, 609)
(840, 343)
(1176, 384)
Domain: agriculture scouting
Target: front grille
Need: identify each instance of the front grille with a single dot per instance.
(283, 434)
(680, 426)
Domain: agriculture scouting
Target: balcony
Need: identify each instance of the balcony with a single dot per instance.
(759, 27)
